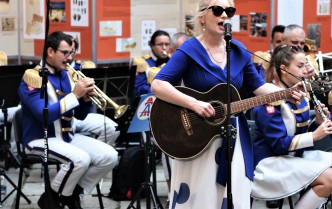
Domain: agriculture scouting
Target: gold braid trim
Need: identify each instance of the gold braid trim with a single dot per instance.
(31, 78)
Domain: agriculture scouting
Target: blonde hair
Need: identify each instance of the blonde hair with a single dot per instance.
(201, 11)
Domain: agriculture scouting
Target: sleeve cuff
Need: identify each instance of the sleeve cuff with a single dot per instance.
(302, 141)
(68, 102)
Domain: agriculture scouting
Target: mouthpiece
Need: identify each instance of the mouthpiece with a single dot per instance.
(166, 54)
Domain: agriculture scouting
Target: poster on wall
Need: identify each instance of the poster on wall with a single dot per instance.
(235, 21)
(33, 19)
(314, 33)
(125, 44)
(4, 6)
(148, 28)
(79, 13)
(285, 17)
(323, 7)
(57, 12)
(110, 28)
(77, 36)
(7, 24)
(258, 24)
(243, 23)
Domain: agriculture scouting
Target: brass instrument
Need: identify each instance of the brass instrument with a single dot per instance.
(310, 50)
(101, 99)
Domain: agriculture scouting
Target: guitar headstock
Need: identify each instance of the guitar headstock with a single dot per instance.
(321, 85)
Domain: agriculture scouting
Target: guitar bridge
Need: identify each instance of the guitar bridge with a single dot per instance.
(186, 122)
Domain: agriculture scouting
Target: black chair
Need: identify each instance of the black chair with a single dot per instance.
(26, 160)
(252, 127)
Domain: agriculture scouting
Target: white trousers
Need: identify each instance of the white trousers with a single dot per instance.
(85, 161)
(102, 126)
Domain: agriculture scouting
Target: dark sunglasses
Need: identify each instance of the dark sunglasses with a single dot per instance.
(66, 53)
(294, 49)
(218, 10)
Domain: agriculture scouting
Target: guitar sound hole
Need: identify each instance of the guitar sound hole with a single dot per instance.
(219, 116)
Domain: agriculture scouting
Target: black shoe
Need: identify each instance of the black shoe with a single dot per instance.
(72, 202)
(54, 201)
(272, 203)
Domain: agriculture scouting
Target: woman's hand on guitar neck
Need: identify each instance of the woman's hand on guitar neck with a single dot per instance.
(297, 95)
(203, 109)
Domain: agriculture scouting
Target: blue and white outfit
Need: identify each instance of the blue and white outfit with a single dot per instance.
(85, 160)
(201, 183)
(283, 150)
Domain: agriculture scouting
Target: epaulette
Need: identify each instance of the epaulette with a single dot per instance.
(153, 71)
(147, 56)
(141, 64)
(78, 62)
(31, 77)
(88, 65)
(265, 55)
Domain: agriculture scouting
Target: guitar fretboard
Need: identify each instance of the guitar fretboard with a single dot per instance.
(246, 104)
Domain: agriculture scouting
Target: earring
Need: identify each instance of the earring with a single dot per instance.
(203, 27)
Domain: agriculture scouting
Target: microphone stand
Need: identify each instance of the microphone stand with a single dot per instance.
(44, 95)
(230, 130)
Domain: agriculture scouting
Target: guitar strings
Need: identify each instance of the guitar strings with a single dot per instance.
(222, 109)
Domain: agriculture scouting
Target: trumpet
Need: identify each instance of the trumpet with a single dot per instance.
(101, 99)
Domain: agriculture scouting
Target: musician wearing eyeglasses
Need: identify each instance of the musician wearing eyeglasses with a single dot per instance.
(85, 160)
(160, 46)
(200, 181)
(285, 159)
(96, 124)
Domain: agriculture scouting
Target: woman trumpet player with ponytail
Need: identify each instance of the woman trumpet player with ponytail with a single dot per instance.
(283, 140)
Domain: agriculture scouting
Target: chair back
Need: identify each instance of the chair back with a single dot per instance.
(18, 131)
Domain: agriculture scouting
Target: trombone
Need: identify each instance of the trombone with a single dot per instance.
(101, 99)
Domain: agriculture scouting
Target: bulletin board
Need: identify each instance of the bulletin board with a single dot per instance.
(253, 17)
(317, 22)
(113, 29)
(73, 16)
(112, 25)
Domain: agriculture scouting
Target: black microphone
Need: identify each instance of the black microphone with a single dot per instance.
(228, 30)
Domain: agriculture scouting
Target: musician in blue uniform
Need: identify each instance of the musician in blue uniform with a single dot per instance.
(285, 160)
(97, 124)
(159, 44)
(201, 63)
(85, 159)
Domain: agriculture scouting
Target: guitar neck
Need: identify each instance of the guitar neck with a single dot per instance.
(246, 104)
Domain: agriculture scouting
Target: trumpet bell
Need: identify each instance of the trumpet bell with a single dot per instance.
(120, 111)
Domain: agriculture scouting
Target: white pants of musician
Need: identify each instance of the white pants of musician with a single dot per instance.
(101, 126)
(85, 161)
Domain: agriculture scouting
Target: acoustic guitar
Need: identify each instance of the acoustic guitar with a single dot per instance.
(183, 134)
